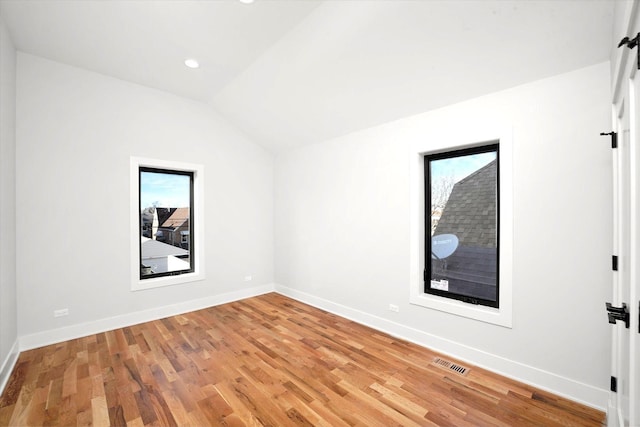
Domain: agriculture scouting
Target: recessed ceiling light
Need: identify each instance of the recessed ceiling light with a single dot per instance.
(246, 1)
(191, 63)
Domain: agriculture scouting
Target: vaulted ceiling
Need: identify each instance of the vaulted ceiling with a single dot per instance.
(295, 72)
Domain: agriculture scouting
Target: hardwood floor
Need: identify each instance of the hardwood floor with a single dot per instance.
(267, 360)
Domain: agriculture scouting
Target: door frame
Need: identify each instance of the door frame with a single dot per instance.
(625, 76)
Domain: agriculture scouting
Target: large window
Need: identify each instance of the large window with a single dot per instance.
(438, 143)
(166, 222)
(462, 225)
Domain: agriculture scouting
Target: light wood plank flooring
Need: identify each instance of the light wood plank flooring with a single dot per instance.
(267, 360)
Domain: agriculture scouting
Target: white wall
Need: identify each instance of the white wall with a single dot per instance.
(341, 217)
(8, 317)
(76, 131)
(342, 232)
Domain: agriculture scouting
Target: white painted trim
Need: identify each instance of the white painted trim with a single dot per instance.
(623, 409)
(7, 365)
(198, 218)
(28, 342)
(623, 56)
(463, 137)
(559, 385)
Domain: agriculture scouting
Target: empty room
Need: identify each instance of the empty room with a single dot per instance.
(319, 212)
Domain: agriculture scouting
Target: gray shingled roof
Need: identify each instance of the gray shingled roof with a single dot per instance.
(470, 214)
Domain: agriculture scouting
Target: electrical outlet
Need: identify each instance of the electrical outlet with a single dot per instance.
(61, 312)
(248, 278)
(394, 308)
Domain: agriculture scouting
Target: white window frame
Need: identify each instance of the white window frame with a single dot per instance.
(454, 139)
(138, 284)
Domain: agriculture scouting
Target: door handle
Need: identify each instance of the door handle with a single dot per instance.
(618, 313)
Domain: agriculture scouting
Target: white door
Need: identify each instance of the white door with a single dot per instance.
(624, 403)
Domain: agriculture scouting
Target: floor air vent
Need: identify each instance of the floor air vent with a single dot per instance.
(450, 366)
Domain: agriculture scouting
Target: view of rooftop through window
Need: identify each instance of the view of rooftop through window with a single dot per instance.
(166, 200)
(446, 172)
(462, 244)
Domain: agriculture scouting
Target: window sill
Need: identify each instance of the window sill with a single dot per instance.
(157, 282)
(500, 317)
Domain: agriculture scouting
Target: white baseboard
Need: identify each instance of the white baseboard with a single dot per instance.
(559, 385)
(7, 365)
(28, 342)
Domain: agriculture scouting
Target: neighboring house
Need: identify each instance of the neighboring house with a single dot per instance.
(470, 214)
(168, 225)
(149, 222)
(164, 214)
(174, 229)
(161, 257)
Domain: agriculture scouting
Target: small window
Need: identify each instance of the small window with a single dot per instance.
(166, 222)
(462, 225)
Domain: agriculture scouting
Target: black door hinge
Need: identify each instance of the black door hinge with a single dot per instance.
(614, 138)
(614, 384)
(631, 43)
(614, 262)
(618, 313)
